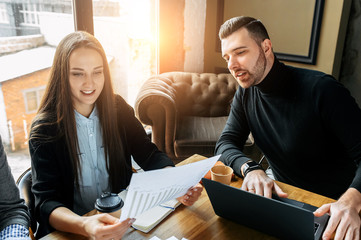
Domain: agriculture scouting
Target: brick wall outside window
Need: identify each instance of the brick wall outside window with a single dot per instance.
(15, 104)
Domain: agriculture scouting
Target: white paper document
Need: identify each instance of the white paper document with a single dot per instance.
(152, 217)
(151, 188)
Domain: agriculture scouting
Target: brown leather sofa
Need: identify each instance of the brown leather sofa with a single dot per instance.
(187, 111)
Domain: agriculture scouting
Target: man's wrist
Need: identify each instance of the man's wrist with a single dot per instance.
(249, 167)
(353, 198)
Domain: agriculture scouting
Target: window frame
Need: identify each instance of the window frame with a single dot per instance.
(38, 98)
(30, 14)
(83, 15)
(4, 18)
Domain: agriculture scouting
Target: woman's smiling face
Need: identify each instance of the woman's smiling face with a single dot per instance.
(86, 78)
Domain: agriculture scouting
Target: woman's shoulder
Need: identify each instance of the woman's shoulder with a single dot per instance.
(44, 122)
(119, 100)
(121, 103)
(43, 129)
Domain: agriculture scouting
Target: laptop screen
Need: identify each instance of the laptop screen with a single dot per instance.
(277, 218)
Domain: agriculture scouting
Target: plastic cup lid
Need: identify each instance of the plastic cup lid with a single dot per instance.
(108, 202)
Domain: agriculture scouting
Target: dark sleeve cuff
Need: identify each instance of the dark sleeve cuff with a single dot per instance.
(356, 183)
(46, 209)
(159, 160)
(236, 164)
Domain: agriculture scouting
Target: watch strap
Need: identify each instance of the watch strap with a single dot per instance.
(251, 166)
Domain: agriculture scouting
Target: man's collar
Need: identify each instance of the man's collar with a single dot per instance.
(276, 79)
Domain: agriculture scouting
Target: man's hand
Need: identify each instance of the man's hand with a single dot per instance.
(258, 182)
(192, 195)
(345, 220)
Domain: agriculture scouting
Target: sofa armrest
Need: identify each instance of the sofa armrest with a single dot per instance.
(155, 105)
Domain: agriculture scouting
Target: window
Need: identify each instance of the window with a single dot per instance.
(133, 25)
(30, 30)
(32, 99)
(29, 13)
(3, 13)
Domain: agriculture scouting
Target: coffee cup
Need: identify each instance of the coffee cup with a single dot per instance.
(109, 203)
(222, 174)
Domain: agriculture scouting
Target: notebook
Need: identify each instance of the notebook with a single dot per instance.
(151, 195)
(282, 218)
(152, 217)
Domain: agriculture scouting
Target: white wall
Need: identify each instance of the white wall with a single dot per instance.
(194, 28)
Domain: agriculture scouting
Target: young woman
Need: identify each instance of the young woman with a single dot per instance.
(81, 143)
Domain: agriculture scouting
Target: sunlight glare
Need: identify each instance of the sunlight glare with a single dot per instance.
(139, 19)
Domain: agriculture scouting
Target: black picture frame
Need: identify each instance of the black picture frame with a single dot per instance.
(314, 39)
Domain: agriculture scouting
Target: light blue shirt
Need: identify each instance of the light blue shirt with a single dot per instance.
(94, 176)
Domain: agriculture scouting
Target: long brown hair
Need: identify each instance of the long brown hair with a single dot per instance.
(54, 110)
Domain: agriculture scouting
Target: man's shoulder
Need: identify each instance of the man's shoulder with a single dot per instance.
(311, 77)
(307, 73)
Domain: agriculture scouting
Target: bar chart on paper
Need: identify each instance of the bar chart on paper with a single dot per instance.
(142, 201)
(151, 188)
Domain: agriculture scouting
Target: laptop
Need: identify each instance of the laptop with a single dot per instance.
(280, 217)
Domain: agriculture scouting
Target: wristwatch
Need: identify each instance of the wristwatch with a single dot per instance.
(250, 166)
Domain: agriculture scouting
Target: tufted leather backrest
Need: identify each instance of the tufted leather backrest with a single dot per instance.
(204, 94)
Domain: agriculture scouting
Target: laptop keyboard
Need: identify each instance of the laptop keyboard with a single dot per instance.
(316, 227)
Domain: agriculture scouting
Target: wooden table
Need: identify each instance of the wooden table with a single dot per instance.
(200, 222)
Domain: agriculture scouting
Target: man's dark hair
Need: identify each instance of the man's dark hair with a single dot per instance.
(254, 27)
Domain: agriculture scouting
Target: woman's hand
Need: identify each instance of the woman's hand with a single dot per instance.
(98, 226)
(192, 195)
(105, 226)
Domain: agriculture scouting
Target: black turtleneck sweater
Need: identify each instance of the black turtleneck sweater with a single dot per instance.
(307, 125)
